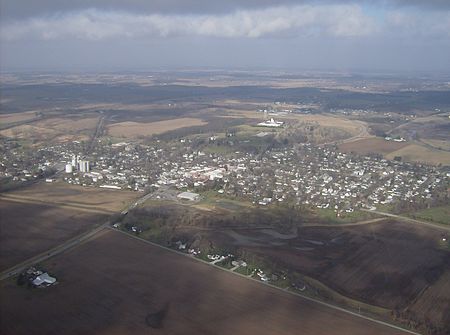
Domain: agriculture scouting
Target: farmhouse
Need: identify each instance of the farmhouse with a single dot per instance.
(188, 196)
(44, 280)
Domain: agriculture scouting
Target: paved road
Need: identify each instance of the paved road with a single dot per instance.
(404, 218)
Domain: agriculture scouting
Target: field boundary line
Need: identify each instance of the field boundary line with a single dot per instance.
(405, 218)
(267, 284)
(23, 199)
(59, 249)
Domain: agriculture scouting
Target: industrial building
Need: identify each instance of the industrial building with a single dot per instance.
(188, 196)
(271, 123)
(83, 166)
(69, 168)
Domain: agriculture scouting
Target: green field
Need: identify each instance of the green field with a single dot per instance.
(437, 214)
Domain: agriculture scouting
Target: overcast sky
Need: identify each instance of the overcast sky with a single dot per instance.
(104, 35)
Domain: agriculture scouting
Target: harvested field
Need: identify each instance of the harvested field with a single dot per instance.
(69, 125)
(56, 129)
(374, 145)
(418, 153)
(131, 129)
(433, 302)
(438, 144)
(117, 285)
(76, 196)
(17, 117)
(387, 264)
(30, 229)
(351, 126)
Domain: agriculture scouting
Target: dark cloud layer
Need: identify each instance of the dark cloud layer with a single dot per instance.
(406, 35)
(15, 9)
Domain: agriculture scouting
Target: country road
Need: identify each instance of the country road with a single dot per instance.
(363, 133)
(74, 242)
(16, 269)
(404, 218)
(320, 302)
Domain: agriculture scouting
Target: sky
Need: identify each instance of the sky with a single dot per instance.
(145, 35)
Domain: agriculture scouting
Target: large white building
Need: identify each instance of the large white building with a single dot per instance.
(271, 123)
(188, 196)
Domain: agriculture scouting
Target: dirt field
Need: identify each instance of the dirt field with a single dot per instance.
(131, 129)
(372, 145)
(76, 196)
(418, 153)
(56, 129)
(17, 117)
(387, 264)
(29, 229)
(117, 285)
(351, 126)
(393, 265)
(434, 302)
(438, 144)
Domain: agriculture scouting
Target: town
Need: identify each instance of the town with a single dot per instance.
(314, 175)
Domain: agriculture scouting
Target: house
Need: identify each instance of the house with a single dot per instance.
(44, 279)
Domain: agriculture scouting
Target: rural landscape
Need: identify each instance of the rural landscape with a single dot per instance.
(293, 208)
(241, 167)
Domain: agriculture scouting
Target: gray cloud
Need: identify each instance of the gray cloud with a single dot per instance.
(331, 20)
(24, 8)
(141, 34)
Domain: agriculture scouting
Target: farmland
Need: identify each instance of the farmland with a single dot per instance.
(437, 214)
(133, 129)
(371, 146)
(419, 153)
(287, 201)
(359, 261)
(63, 194)
(57, 129)
(412, 152)
(26, 233)
(114, 285)
(17, 117)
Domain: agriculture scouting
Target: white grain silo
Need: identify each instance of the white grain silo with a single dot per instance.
(69, 168)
